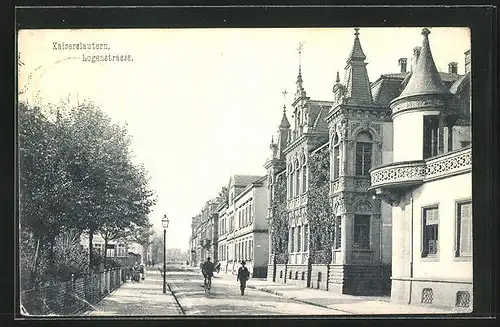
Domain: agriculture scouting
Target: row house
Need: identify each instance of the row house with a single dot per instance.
(243, 230)
(356, 131)
(204, 234)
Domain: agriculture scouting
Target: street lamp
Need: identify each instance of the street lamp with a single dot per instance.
(164, 223)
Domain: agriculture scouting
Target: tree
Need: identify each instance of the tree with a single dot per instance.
(76, 175)
(114, 192)
(224, 195)
(44, 184)
(157, 248)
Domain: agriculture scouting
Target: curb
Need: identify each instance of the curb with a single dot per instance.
(176, 300)
(174, 289)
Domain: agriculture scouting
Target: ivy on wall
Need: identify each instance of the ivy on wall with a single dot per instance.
(279, 221)
(319, 210)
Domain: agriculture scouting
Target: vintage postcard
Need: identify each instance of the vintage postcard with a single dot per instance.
(245, 171)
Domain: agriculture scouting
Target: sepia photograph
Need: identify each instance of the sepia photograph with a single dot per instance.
(170, 172)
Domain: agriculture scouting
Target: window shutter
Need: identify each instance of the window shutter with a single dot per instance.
(466, 229)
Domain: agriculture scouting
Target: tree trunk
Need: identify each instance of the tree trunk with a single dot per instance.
(91, 249)
(35, 260)
(51, 252)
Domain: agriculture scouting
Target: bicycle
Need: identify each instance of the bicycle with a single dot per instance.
(207, 284)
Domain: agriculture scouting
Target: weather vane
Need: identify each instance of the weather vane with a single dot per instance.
(284, 99)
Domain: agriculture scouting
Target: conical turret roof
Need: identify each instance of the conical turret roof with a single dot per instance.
(425, 78)
(284, 121)
(357, 50)
(357, 84)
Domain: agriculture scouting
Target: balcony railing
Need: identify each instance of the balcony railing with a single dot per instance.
(407, 173)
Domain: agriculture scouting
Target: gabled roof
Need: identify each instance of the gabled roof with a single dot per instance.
(425, 78)
(318, 110)
(459, 83)
(244, 180)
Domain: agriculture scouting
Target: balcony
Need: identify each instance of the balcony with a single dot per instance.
(391, 181)
(398, 174)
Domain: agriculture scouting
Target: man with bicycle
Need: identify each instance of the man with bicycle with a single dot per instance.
(207, 269)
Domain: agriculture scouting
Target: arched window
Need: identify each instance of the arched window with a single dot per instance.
(290, 181)
(336, 156)
(304, 174)
(364, 145)
(297, 178)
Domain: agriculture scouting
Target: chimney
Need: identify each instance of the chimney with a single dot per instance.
(416, 54)
(453, 67)
(467, 61)
(402, 64)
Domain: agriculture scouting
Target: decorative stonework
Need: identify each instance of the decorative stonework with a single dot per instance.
(444, 166)
(427, 104)
(335, 186)
(420, 171)
(362, 182)
(342, 128)
(362, 206)
(305, 258)
(385, 178)
(366, 124)
(413, 171)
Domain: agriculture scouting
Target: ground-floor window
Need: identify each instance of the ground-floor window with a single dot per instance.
(122, 251)
(430, 224)
(464, 229)
(362, 231)
(292, 240)
(338, 232)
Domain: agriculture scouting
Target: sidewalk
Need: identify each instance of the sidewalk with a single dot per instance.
(145, 298)
(350, 304)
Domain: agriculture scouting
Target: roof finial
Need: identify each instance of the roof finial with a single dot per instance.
(425, 31)
(356, 33)
(284, 100)
(301, 46)
(337, 80)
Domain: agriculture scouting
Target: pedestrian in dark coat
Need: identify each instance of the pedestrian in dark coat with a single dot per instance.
(243, 275)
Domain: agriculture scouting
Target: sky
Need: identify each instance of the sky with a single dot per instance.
(202, 104)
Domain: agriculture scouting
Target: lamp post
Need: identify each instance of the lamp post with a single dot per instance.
(164, 223)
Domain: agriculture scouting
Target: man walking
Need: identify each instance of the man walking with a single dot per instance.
(243, 275)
